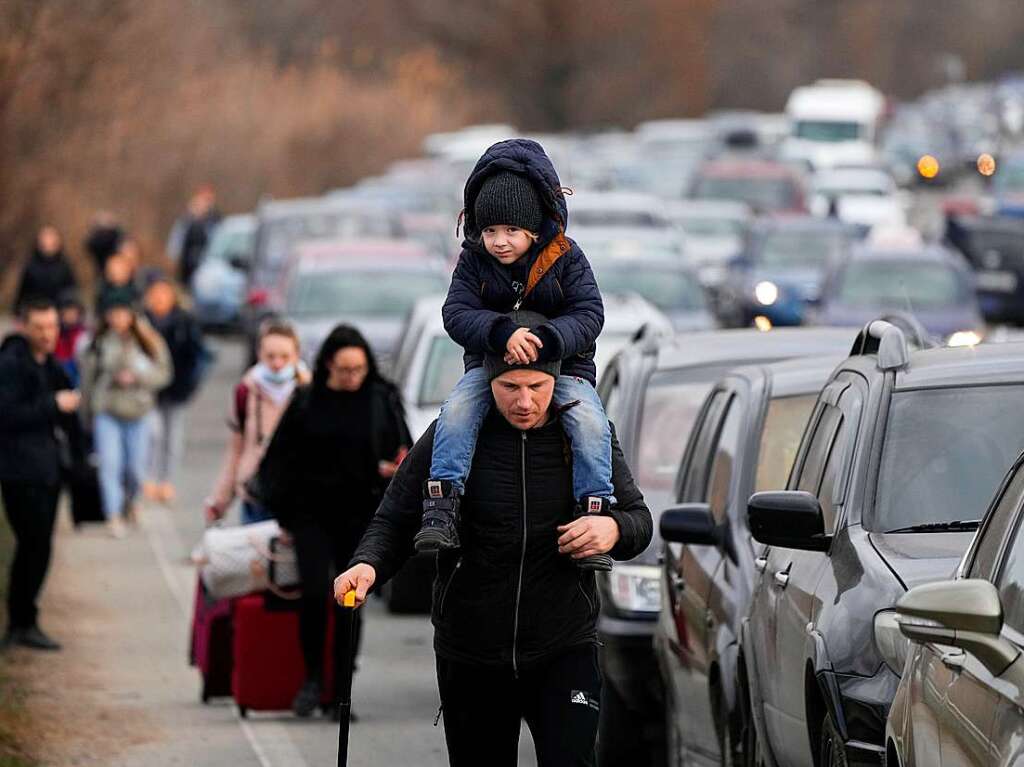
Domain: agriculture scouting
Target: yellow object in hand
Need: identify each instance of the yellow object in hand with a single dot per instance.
(349, 600)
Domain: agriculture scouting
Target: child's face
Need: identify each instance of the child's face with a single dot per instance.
(70, 316)
(506, 243)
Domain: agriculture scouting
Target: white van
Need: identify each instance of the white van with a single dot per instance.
(832, 123)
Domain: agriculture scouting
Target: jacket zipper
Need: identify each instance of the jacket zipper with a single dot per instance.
(448, 586)
(522, 562)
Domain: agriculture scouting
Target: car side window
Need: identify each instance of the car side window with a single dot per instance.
(984, 562)
(1011, 581)
(818, 450)
(695, 483)
(830, 474)
(724, 460)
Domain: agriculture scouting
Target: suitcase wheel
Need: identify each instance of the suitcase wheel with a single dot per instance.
(243, 712)
(204, 696)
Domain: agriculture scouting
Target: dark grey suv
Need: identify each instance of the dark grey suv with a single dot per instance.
(902, 451)
(653, 392)
(745, 440)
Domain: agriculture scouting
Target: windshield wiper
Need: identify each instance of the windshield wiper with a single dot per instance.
(956, 526)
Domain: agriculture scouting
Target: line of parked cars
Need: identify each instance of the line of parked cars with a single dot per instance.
(814, 487)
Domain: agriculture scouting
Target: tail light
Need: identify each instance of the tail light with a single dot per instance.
(257, 297)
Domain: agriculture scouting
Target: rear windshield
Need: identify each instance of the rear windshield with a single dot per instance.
(712, 227)
(668, 289)
(279, 236)
(945, 453)
(826, 130)
(759, 193)
(783, 427)
(903, 284)
(799, 250)
(372, 293)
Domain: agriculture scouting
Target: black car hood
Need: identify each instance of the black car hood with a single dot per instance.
(918, 558)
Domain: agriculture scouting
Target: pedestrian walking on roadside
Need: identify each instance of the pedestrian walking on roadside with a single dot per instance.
(47, 274)
(74, 335)
(104, 239)
(191, 232)
(190, 359)
(256, 406)
(123, 368)
(515, 619)
(118, 274)
(516, 256)
(326, 469)
(37, 421)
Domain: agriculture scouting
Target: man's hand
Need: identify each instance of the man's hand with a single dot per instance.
(522, 347)
(359, 578)
(587, 536)
(67, 400)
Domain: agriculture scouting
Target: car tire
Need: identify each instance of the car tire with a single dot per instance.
(726, 740)
(673, 748)
(832, 752)
(620, 739)
(746, 730)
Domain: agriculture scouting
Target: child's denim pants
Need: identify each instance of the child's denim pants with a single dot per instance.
(586, 426)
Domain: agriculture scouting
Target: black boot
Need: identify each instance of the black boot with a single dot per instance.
(34, 638)
(599, 507)
(440, 528)
(308, 698)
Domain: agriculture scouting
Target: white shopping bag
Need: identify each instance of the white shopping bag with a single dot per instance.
(235, 561)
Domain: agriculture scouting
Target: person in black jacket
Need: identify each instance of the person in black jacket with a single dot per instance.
(326, 468)
(37, 405)
(47, 274)
(104, 239)
(515, 621)
(189, 358)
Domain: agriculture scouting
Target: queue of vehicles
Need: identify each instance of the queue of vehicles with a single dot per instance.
(807, 480)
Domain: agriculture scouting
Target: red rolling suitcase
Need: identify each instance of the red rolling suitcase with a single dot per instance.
(268, 669)
(211, 649)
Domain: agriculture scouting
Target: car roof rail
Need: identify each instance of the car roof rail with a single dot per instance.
(885, 340)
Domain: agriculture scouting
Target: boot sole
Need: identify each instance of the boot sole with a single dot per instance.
(433, 540)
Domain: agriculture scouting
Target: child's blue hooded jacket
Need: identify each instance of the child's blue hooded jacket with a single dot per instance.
(560, 284)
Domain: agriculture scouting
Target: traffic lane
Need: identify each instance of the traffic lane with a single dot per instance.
(395, 688)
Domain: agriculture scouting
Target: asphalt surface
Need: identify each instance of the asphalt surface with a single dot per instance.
(395, 690)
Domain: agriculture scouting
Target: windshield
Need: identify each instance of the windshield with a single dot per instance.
(671, 405)
(784, 251)
(946, 450)
(441, 371)
(370, 293)
(899, 284)
(826, 130)
(1009, 179)
(780, 438)
(711, 227)
(233, 242)
(760, 193)
(613, 217)
(668, 289)
(280, 235)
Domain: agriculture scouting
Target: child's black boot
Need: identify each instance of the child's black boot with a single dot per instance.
(440, 529)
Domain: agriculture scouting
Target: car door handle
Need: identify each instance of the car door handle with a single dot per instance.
(782, 578)
(953, 660)
(761, 563)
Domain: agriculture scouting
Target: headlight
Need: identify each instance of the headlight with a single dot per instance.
(964, 338)
(891, 644)
(766, 293)
(636, 588)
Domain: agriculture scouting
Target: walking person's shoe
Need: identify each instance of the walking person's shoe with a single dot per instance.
(116, 528)
(440, 529)
(34, 638)
(308, 698)
(132, 513)
(151, 491)
(166, 493)
(597, 506)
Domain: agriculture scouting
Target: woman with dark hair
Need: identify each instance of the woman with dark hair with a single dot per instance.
(325, 471)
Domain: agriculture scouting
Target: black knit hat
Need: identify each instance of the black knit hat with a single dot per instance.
(495, 365)
(508, 198)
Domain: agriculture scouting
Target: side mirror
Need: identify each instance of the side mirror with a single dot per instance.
(693, 523)
(791, 519)
(964, 613)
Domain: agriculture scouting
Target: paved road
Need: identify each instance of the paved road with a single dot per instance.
(395, 693)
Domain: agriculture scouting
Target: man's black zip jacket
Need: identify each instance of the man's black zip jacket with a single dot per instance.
(508, 596)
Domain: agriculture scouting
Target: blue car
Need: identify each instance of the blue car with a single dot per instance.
(933, 284)
(1008, 186)
(778, 274)
(218, 286)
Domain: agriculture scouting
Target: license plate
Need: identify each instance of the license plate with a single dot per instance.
(999, 282)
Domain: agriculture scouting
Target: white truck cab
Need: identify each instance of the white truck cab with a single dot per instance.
(833, 123)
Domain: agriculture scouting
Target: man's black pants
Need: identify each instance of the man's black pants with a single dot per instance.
(31, 510)
(558, 698)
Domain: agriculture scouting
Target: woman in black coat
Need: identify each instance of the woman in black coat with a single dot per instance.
(324, 473)
(47, 274)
